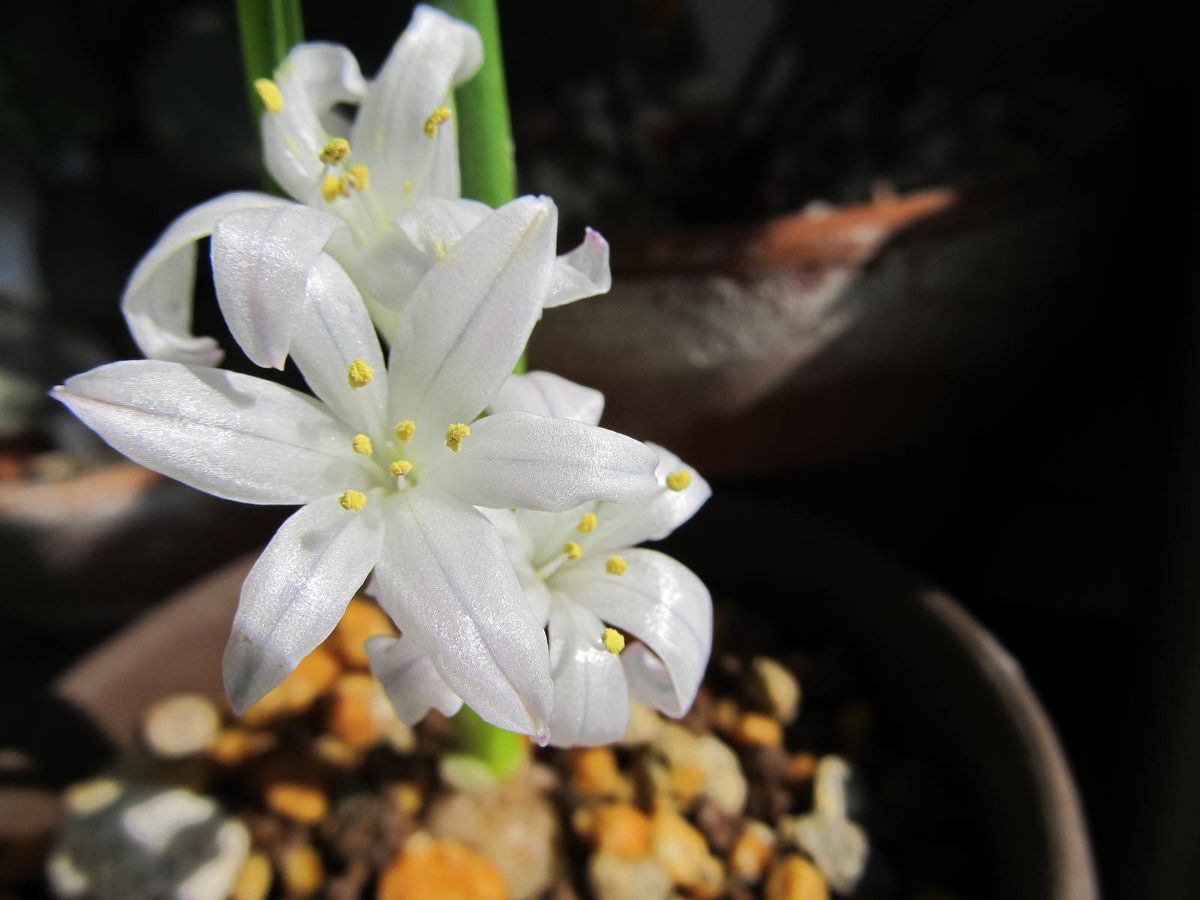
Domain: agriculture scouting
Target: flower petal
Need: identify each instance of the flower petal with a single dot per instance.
(390, 269)
(534, 462)
(547, 394)
(582, 273)
(313, 79)
(261, 259)
(591, 699)
(336, 332)
(297, 592)
(433, 55)
(412, 683)
(157, 302)
(232, 435)
(471, 315)
(445, 579)
(662, 603)
(656, 515)
(518, 543)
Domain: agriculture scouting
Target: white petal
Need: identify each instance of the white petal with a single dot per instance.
(261, 259)
(232, 435)
(412, 683)
(519, 544)
(336, 332)
(313, 79)
(297, 592)
(445, 579)
(547, 394)
(157, 302)
(591, 700)
(662, 603)
(582, 273)
(434, 54)
(656, 515)
(471, 315)
(534, 462)
(390, 268)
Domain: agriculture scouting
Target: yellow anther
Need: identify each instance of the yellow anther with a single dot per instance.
(400, 467)
(362, 444)
(359, 374)
(573, 550)
(678, 481)
(268, 92)
(455, 434)
(436, 118)
(587, 523)
(333, 187)
(440, 249)
(353, 500)
(334, 151)
(407, 187)
(405, 430)
(614, 641)
(616, 565)
(359, 177)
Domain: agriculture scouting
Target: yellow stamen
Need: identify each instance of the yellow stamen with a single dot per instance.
(436, 118)
(573, 550)
(455, 434)
(268, 92)
(587, 523)
(400, 467)
(407, 187)
(333, 187)
(353, 500)
(440, 249)
(359, 178)
(359, 374)
(678, 481)
(335, 150)
(405, 430)
(362, 444)
(616, 565)
(614, 641)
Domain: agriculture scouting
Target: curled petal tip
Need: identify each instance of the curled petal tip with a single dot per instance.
(542, 737)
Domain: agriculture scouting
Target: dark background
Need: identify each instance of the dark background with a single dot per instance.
(1062, 509)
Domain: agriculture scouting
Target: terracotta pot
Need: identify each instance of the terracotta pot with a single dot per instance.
(824, 335)
(936, 668)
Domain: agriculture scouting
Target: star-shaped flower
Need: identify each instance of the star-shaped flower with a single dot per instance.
(389, 463)
(380, 195)
(582, 575)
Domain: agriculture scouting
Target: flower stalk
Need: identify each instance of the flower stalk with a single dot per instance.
(485, 153)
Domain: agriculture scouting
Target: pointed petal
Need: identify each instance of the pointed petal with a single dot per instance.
(297, 592)
(336, 332)
(658, 514)
(261, 259)
(433, 55)
(157, 302)
(232, 435)
(591, 699)
(445, 579)
(662, 603)
(547, 394)
(313, 79)
(582, 273)
(471, 315)
(533, 462)
(412, 683)
(390, 269)
(519, 545)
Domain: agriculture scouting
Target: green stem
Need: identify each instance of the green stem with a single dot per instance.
(269, 29)
(485, 157)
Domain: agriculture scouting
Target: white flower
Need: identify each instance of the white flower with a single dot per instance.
(380, 195)
(582, 576)
(389, 465)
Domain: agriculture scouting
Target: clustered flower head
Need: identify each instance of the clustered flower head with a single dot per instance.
(494, 517)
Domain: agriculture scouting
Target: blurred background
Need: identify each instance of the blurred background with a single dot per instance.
(924, 271)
